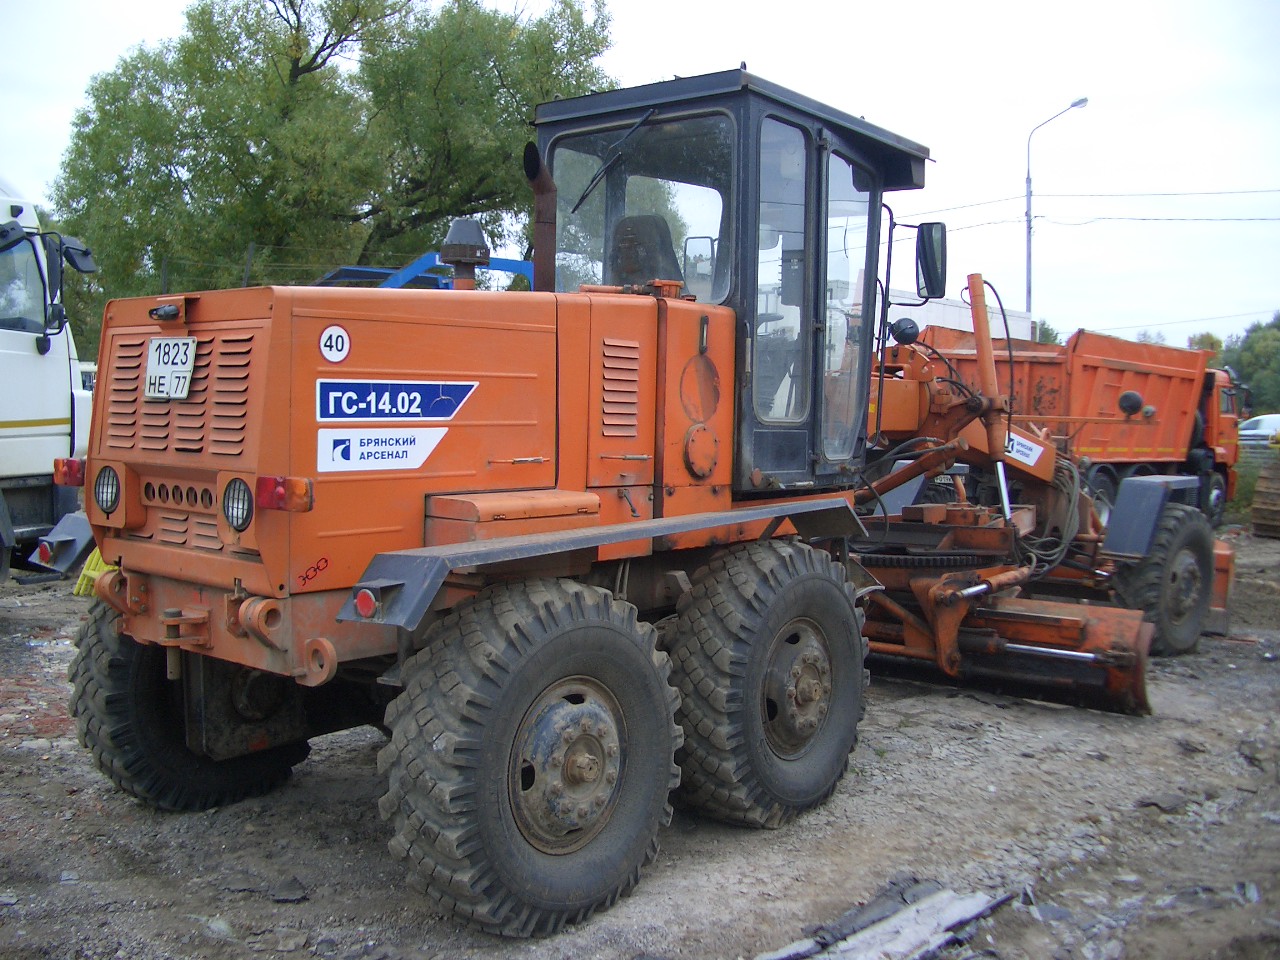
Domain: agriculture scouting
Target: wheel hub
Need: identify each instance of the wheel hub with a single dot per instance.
(566, 763)
(1184, 584)
(797, 688)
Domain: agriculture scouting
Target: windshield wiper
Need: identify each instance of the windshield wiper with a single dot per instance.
(615, 154)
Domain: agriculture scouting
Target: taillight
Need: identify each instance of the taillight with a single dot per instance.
(366, 603)
(68, 472)
(283, 493)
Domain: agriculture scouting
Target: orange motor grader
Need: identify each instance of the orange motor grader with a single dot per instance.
(573, 548)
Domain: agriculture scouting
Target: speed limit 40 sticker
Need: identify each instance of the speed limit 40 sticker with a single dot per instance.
(335, 343)
(399, 401)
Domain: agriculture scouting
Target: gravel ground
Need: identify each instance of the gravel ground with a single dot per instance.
(1120, 836)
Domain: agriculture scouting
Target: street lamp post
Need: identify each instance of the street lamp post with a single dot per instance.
(1077, 103)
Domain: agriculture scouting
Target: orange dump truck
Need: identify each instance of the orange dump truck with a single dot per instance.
(1128, 409)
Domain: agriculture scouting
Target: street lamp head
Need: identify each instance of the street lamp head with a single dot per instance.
(1082, 102)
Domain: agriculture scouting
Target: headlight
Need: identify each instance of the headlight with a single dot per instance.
(106, 490)
(237, 504)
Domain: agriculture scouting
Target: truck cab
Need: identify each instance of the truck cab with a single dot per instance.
(46, 408)
(748, 195)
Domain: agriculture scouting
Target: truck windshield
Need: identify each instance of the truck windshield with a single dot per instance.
(21, 290)
(647, 201)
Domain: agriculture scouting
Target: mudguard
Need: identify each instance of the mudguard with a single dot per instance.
(1137, 510)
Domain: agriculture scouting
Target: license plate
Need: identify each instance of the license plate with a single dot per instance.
(170, 361)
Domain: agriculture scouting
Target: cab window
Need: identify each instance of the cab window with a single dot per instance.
(647, 202)
(21, 290)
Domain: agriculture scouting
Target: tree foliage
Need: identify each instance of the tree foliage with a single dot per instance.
(1045, 333)
(277, 139)
(1255, 357)
(1205, 341)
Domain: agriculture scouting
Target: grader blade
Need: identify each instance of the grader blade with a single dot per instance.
(1078, 651)
(1096, 652)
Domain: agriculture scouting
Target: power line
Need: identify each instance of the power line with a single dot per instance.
(1085, 223)
(1180, 193)
(963, 206)
(1170, 323)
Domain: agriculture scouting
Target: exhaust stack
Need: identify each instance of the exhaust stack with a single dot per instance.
(544, 218)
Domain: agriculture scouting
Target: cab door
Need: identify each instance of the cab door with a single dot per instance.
(809, 322)
(848, 257)
(780, 313)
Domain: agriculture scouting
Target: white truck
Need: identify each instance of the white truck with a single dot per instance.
(44, 406)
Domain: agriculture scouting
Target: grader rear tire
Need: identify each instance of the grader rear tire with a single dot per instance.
(132, 720)
(1173, 585)
(532, 757)
(768, 654)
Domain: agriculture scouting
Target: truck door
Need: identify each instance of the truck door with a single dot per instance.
(805, 411)
(35, 425)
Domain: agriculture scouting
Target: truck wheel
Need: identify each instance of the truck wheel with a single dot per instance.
(132, 719)
(768, 655)
(1102, 485)
(1172, 586)
(1215, 499)
(532, 756)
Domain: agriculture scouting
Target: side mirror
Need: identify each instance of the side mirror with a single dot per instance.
(55, 320)
(78, 256)
(931, 260)
(11, 234)
(53, 262)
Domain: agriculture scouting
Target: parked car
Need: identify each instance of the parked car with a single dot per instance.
(1260, 437)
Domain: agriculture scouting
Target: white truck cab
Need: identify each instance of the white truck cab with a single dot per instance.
(44, 406)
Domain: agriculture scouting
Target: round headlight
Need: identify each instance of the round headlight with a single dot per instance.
(106, 490)
(237, 504)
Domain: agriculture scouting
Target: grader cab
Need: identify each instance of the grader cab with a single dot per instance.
(574, 548)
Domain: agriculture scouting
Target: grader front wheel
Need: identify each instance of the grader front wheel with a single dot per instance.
(532, 756)
(768, 654)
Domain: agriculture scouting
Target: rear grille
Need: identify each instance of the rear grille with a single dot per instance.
(197, 436)
(212, 419)
(185, 529)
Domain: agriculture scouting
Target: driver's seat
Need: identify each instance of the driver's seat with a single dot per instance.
(640, 251)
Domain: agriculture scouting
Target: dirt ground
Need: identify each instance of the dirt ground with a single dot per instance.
(1120, 836)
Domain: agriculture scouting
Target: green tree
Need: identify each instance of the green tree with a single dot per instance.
(1045, 333)
(276, 139)
(1255, 357)
(452, 103)
(1206, 341)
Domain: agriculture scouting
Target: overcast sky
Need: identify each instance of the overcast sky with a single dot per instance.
(1157, 206)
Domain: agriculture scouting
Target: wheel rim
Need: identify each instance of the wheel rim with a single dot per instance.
(1217, 497)
(566, 765)
(1184, 586)
(1102, 505)
(797, 688)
